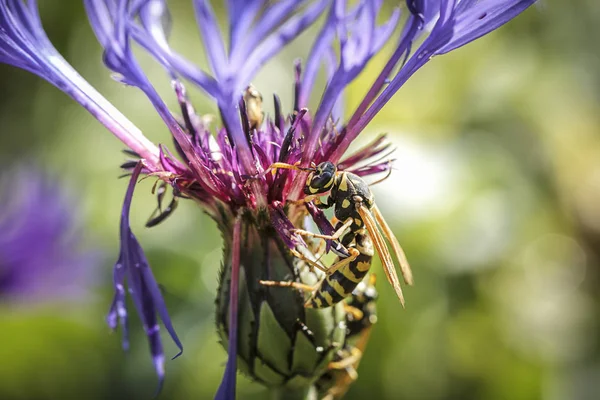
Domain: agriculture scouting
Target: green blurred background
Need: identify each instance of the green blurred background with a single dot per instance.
(495, 198)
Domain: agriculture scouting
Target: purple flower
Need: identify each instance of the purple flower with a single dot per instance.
(40, 254)
(227, 173)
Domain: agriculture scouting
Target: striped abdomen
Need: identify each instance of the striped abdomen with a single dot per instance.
(342, 282)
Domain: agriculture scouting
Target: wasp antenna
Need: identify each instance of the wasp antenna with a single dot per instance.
(279, 165)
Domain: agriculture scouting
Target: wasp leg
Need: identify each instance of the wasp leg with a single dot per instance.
(343, 262)
(306, 199)
(311, 263)
(289, 284)
(159, 215)
(347, 362)
(320, 250)
(356, 313)
(336, 235)
(332, 268)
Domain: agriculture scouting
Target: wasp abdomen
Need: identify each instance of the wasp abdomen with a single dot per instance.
(342, 282)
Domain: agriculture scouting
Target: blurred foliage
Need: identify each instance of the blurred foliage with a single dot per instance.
(495, 198)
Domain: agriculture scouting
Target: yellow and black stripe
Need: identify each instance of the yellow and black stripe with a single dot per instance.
(342, 282)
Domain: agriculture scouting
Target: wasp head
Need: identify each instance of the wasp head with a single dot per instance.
(321, 179)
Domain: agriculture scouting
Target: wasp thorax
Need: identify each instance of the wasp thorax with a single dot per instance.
(280, 343)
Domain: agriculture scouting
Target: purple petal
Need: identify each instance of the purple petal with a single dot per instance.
(454, 25)
(24, 44)
(119, 57)
(277, 41)
(118, 309)
(372, 169)
(373, 149)
(403, 48)
(272, 17)
(481, 18)
(133, 267)
(211, 37)
(360, 38)
(322, 222)
(241, 15)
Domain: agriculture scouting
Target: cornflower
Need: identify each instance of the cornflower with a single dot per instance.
(269, 334)
(41, 254)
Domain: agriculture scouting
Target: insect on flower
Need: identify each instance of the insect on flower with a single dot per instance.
(268, 332)
(358, 218)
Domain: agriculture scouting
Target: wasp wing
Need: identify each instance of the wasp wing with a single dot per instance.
(384, 254)
(404, 266)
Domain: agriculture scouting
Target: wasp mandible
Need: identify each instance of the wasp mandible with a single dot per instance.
(358, 219)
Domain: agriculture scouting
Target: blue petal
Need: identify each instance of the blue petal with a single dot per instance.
(24, 44)
(276, 41)
(241, 15)
(212, 37)
(481, 18)
(453, 24)
(133, 269)
(358, 33)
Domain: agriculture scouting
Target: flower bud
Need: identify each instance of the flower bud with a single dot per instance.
(281, 344)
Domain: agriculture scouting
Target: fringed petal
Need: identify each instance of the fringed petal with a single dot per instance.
(360, 38)
(453, 24)
(133, 270)
(475, 19)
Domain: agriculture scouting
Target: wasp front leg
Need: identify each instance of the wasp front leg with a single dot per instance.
(354, 253)
(323, 206)
(335, 236)
(336, 246)
(349, 361)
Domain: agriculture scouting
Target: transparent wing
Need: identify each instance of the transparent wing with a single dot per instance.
(384, 254)
(404, 266)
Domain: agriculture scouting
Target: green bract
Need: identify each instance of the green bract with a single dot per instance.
(281, 344)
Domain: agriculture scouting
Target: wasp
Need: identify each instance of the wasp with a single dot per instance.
(358, 225)
(361, 315)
